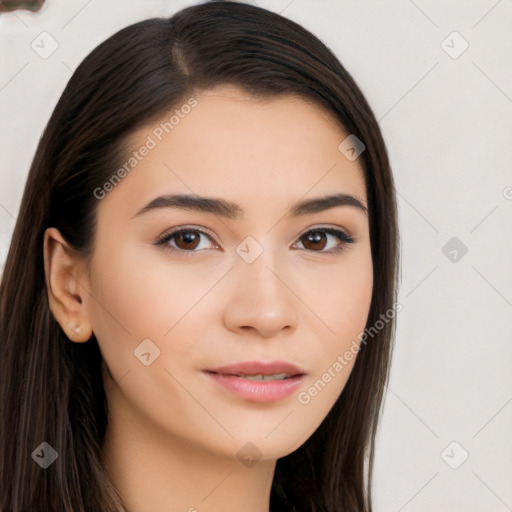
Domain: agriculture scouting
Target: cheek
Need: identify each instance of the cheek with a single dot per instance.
(355, 294)
(339, 299)
(342, 302)
(145, 293)
(137, 294)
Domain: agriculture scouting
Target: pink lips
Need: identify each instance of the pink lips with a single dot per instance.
(259, 367)
(254, 390)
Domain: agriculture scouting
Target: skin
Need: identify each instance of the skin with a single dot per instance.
(173, 435)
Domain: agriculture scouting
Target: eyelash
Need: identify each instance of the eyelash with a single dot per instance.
(341, 235)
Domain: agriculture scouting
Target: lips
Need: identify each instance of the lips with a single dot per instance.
(263, 368)
(258, 381)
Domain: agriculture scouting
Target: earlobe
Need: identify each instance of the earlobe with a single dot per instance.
(65, 293)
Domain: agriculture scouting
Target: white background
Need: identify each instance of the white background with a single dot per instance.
(447, 123)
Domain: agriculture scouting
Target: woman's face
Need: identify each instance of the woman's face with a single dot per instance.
(253, 283)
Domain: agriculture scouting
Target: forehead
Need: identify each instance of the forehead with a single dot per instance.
(230, 108)
(254, 149)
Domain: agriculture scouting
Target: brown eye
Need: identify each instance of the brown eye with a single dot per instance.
(316, 240)
(185, 240)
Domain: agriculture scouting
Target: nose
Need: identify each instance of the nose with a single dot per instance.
(260, 299)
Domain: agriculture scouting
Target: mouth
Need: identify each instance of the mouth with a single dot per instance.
(259, 381)
(260, 376)
(260, 370)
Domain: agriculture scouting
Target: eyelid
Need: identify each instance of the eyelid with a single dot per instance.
(343, 235)
(329, 229)
(166, 235)
(346, 237)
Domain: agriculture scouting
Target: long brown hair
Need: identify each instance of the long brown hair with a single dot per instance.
(51, 389)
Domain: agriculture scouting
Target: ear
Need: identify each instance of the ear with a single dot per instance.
(64, 273)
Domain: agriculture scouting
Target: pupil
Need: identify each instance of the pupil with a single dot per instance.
(315, 237)
(189, 237)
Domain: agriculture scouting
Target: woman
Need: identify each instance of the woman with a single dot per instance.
(197, 307)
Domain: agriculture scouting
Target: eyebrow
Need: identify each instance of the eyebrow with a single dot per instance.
(233, 211)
